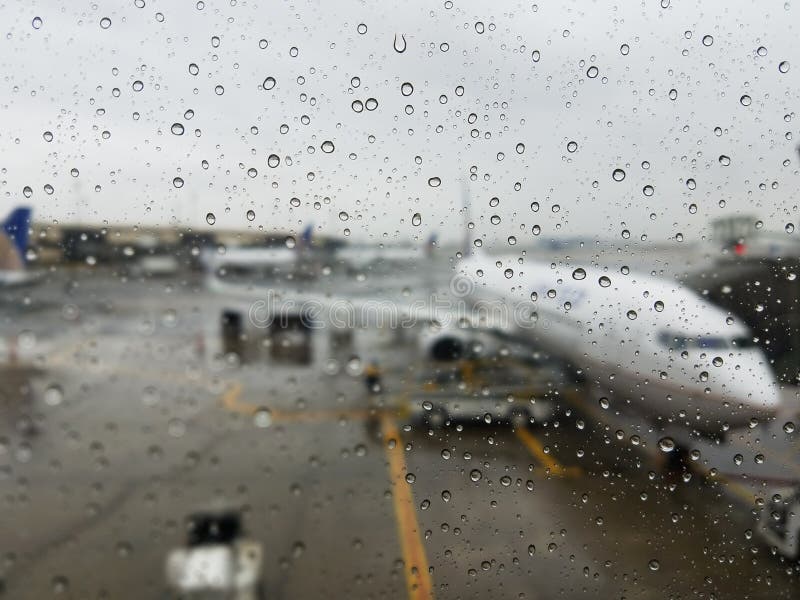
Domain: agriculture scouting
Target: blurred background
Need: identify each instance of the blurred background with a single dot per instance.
(382, 301)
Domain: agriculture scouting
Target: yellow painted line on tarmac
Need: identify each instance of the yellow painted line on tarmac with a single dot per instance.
(552, 466)
(418, 578)
(230, 400)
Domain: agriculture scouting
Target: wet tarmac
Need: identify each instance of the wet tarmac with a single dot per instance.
(120, 418)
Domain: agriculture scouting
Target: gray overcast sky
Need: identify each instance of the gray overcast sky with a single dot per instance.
(62, 78)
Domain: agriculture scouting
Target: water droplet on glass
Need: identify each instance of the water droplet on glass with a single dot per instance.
(416, 220)
(327, 147)
(434, 182)
(361, 28)
(666, 444)
(479, 27)
(788, 427)
(219, 90)
(475, 475)
(177, 182)
(37, 22)
(262, 418)
(783, 66)
(579, 274)
(707, 40)
(604, 281)
(724, 160)
(618, 175)
(410, 478)
(659, 305)
(371, 104)
(273, 160)
(399, 43)
(631, 314)
(691, 184)
(53, 395)
(211, 218)
(27, 191)
(572, 147)
(654, 565)
(592, 72)
(137, 85)
(105, 23)
(177, 129)
(406, 89)
(251, 215)
(745, 100)
(269, 83)
(193, 69)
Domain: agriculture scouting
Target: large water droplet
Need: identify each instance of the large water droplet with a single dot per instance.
(618, 175)
(327, 146)
(211, 218)
(406, 89)
(273, 160)
(177, 129)
(177, 182)
(262, 418)
(53, 395)
(269, 83)
(399, 43)
(708, 40)
(416, 220)
(666, 444)
(137, 85)
(579, 274)
(434, 182)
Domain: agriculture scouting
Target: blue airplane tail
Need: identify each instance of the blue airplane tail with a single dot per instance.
(16, 228)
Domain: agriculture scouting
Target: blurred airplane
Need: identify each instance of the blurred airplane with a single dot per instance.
(661, 349)
(13, 247)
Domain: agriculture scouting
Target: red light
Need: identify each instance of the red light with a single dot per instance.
(739, 249)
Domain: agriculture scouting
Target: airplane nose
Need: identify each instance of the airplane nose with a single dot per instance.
(754, 384)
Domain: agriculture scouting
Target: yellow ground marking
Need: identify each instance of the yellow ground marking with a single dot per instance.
(230, 399)
(418, 578)
(552, 466)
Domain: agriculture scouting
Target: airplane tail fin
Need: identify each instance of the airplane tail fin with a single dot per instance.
(16, 229)
(306, 236)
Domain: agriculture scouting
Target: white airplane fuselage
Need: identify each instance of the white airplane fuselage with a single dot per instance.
(656, 345)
